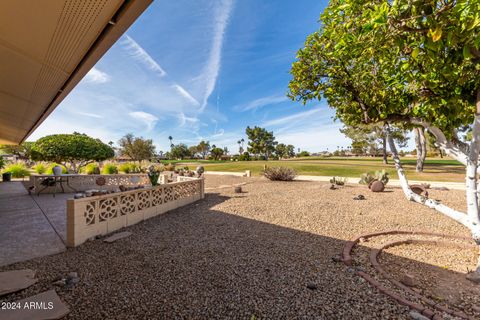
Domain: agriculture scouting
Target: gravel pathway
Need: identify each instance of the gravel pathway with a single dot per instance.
(264, 253)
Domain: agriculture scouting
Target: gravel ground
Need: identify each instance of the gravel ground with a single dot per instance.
(241, 256)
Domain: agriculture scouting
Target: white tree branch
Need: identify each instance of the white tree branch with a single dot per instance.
(458, 216)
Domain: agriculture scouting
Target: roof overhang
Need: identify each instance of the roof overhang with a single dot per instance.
(46, 48)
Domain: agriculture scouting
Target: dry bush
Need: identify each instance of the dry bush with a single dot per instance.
(280, 173)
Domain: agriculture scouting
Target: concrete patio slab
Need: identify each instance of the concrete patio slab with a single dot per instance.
(46, 305)
(25, 232)
(13, 281)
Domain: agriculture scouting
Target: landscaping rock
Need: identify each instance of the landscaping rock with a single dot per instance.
(417, 316)
(238, 189)
(337, 258)
(377, 186)
(117, 236)
(312, 286)
(419, 189)
(408, 280)
(60, 283)
(359, 197)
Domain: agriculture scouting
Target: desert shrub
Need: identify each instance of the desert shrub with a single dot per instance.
(92, 168)
(157, 167)
(303, 154)
(244, 157)
(338, 181)
(109, 168)
(40, 168)
(50, 168)
(170, 167)
(124, 167)
(280, 173)
(130, 167)
(18, 170)
(366, 178)
(380, 175)
(3, 163)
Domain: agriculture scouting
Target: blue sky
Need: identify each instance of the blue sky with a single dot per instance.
(202, 69)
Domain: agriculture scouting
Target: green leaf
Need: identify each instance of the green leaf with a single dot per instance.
(436, 34)
(466, 52)
(415, 53)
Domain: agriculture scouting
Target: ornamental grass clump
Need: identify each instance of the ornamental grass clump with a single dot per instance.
(18, 170)
(280, 173)
(109, 168)
(129, 167)
(92, 168)
(40, 168)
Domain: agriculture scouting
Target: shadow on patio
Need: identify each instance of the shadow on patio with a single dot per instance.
(25, 230)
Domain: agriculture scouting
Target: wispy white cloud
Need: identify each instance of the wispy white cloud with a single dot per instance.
(186, 94)
(292, 118)
(218, 133)
(261, 102)
(137, 52)
(88, 114)
(96, 76)
(183, 120)
(147, 118)
(212, 68)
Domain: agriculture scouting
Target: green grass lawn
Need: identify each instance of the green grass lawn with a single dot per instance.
(436, 169)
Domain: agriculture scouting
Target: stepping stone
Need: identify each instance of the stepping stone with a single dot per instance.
(117, 236)
(16, 280)
(46, 305)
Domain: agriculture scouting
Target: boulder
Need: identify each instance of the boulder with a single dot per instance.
(377, 186)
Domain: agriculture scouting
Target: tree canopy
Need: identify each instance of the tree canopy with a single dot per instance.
(217, 153)
(285, 151)
(180, 151)
(136, 148)
(72, 150)
(394, 61)
(260, 141)
(203, 148)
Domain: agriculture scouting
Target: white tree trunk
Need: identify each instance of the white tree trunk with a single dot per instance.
(471, 172)
(458, 216)
(421, 146)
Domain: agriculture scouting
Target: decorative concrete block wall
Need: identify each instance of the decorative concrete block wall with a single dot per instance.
(100, 215)
(83, 182)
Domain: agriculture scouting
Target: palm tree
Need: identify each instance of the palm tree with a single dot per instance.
(171, 141)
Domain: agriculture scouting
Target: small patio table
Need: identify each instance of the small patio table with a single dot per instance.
(57, 180)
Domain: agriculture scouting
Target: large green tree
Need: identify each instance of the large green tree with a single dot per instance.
(136, 148)
(283, 150)
(203, 148)
(217, 153)
(260, 141)
(180, 151)
(71, 150)
(402, 62)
